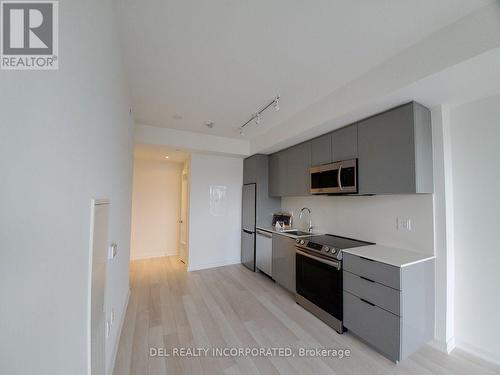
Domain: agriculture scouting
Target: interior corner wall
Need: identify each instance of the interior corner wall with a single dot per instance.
(475, 139)
(66, 137)
(155, 208)
(215, 211)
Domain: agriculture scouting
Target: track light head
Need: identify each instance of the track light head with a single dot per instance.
(258, 118)
(276, 104)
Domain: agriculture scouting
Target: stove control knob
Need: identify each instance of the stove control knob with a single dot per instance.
(334, 251)
(302, 242)
(297, 240)
(327, 249)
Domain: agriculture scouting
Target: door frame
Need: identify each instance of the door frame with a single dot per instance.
(185, 176)
(94, 202)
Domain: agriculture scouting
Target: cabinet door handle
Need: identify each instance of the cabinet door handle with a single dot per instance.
(364, 278)
(365, 301)
(339, 178)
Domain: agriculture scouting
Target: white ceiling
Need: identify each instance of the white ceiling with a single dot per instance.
(221, 60)
(160, 153)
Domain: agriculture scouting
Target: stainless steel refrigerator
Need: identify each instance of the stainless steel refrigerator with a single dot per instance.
(248, 226)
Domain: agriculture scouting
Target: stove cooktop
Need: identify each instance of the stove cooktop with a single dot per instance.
(330, 245)
(337, 241)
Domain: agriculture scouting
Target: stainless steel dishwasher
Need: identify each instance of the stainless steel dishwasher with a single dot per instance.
(264, 252)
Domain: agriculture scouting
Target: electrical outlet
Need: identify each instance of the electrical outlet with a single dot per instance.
(404, 223)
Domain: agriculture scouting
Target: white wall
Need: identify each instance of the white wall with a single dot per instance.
(475, 135)
(214, 231)
(155, 208)
(371, 218)
(65, 138)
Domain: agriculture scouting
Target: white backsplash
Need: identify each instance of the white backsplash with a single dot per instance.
(370, 218)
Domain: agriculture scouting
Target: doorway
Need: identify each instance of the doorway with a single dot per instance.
(160, 201)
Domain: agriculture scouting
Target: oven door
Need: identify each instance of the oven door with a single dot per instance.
(319, 281)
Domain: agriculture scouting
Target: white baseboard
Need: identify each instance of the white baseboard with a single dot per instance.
(119, 334)
(152, 255)
(478, 352)
(445, 347)
(196, 267)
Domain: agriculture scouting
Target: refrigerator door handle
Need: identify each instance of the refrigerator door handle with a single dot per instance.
(247, 231)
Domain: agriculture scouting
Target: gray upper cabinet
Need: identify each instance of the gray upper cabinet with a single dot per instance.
(256, 171)
(298, 161)
(277, 174)
(321, 150)
(289, 171)
(250, 170)
(345, 143)
(395, 151)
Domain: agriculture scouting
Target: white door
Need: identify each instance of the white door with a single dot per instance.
(98, 286)
(183, 222)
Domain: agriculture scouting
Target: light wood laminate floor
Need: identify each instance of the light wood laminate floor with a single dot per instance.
(233, 307)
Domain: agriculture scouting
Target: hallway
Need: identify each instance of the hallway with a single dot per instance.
(233, 307)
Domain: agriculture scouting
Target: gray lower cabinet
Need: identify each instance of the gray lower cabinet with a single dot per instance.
(345, 143)
(284, 261)
(395, 151)
(391, 308)
(373, 324)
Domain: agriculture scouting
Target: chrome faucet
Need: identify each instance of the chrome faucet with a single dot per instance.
(310, 217)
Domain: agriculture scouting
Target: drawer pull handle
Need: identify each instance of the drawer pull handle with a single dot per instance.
(364, 278)
(371, 260)
(365, 301)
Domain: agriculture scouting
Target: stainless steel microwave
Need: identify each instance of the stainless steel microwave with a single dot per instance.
(336, 178)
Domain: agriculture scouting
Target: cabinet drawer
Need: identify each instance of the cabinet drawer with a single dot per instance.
(374, 325)
(381, 295)
(373, 270)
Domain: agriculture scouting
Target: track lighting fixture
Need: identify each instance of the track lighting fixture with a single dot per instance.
(257, 116)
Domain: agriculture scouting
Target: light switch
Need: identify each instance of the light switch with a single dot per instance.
(112, 251)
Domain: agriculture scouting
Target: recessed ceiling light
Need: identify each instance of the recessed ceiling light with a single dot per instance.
(209, 124)
(166, 157)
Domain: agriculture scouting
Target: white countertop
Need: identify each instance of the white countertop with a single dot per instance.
(390, 255)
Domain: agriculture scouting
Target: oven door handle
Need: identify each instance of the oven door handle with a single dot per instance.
(321, 260)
